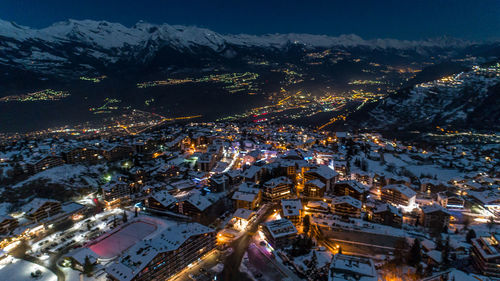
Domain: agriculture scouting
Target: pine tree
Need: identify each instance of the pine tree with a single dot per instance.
(491, 223)
(415, 253)
(445, 253)
(466, 223)
(125, 218)
(314, 261)
(470, 235)
(306, 223)
(399, 250)
(135, 214)
(445, 229)
(88, 267)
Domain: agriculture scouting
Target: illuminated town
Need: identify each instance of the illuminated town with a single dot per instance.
(44, 95)
(217, 200)
(235, 82)
(250, 140)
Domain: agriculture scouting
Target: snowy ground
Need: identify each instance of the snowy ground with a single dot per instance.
(403, 161)
(66, 174)
(456, 274)
(4, 208)
(20, 270)
(324, 257)
(75, 275)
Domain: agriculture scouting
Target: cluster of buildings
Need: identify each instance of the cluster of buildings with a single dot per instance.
(187, 181)
(34, 218)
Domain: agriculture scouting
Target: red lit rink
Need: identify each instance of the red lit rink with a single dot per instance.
(122, 239)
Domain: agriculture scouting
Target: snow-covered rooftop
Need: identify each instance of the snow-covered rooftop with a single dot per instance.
(280, 228)
(403, 189)
(427, 209)
(347, 200)
(243, 196)
(163, 197)
(243, 214)
(291, 207)
(356, 185)
(344, 267)
(324, 172)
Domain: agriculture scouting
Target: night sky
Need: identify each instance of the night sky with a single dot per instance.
(403, 19)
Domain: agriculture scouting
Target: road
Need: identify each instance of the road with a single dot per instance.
(263, 264)
(273, 265)
(240, 245)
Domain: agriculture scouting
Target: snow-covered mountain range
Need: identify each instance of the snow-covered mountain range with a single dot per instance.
(59, 56)
(114, 35)
(82, 45)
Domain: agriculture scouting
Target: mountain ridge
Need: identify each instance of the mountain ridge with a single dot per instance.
(140, 30)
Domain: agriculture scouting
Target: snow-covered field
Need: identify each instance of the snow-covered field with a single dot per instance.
(75, 275)
(122, 239)
(20, 270)
(411, 165)
(65, 174)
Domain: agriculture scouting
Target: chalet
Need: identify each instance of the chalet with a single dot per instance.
(89, 155)
(314, 188)
(114, 193)
(253, 174)
(450, 200)
(47, 162)
(432, 186)
(219, 183)
(317, 206)
(486, 255)
(161, 200)
(39, 209)
(323, 173)
(344, 267)
(346, 206)
(363, 177)
(247, 197)
(291, 209)
(435, 217)
(206, 162)
(241, 218)
(393, 179)
(234, 177)
(351, 188)
(7, 224)
(487, 198)
(199, 205)
(277, 189)
(399, 195)
(387, 214)
(279, 233)
(117, 152)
